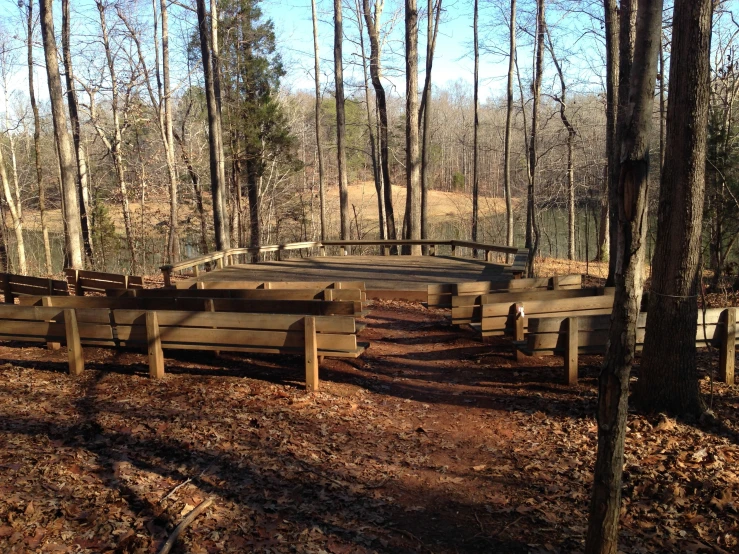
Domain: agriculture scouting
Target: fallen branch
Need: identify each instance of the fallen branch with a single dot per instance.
(200, 508)
(174, 490)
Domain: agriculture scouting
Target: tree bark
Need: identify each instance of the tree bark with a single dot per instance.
(532, 228)
(476, 129)
(319, 147)
(412, 167)
(373, 30)
(83, 188)
(613, 385)
(668, 376)
(37, 145)
(215, 135)
(627, 38)
(612, 152)
(508, 127)
(70, 205)
(341, 123)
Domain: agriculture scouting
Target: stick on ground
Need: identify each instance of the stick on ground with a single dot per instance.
(200, 508)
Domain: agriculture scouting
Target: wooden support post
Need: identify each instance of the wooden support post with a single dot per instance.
(727, 348)
(555, 282)
(211, 307)
(154, 340)
(196, 270)
(432, 250)
(200, 285)
(323, 250)
(46, 301)
(343, 250)
(518, 322)
(311, 355)
(6, 289)
(219, 262)
(454, 249)
(74, 346)
(328, 294)
(78, 290)
(50, 286)
(167, 274)
(571, 347)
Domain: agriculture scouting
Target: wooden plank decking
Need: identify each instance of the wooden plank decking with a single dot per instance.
(380, 273)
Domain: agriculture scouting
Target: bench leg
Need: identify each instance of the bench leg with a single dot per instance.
(47, 301)
(727, 348)
(74, 346)
(311, 355)
(154, 341)
(571, 351)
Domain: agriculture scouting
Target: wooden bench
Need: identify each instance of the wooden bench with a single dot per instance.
(520, 263)
(269, 285)
(440, 296)
(14, 286)
(96, 281)
(311, 336)
(588, 334)
(501, 318)
(303, 307)
(349, 295)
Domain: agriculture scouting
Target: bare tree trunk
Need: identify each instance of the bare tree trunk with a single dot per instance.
(532, 228)
(571, 134)
(373, 30)
(173, 243)
(37, 145)
(321, 184)
(662, 105)
(425, 111)
(668, 376)
(115, 145)
(612, 151)
(70, 205)
(476, 131)
(370, 124)
(508, 128)
(412, 167)
(627, 38)
(613, 388)
(341, 123)
(215, 135)
(17, 222)
(74, 120)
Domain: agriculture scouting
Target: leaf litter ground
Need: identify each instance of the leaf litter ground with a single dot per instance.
(431, 442)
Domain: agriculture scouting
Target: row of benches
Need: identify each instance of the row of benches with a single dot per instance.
(81, 282)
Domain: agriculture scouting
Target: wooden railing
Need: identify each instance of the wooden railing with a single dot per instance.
(227, 257)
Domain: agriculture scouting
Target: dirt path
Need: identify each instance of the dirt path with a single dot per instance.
(431, 442)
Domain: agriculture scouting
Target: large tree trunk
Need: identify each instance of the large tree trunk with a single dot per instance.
(70, 204)
(668, 376)
(627, 38)
(83, 187)
(508, 127)
(613, 386)
(532, 228)
(476, 130)
(37, 145)
(341, 123)
(215, 135)
(319, 148)
(14, 216)
(373, 30)
(412, 167)
(612, 151)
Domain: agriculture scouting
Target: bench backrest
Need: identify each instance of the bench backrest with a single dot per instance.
(22, 285)
(95, 281)
(304, 307)
(235, 331)
(440, 296)
(468, 308)
(270, 285)
(354, 295)
(548, 334)
(500, 317)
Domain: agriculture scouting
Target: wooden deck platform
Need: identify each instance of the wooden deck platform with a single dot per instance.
(386, 276)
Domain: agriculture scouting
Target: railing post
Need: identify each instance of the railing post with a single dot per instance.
(219, 262)
(571, 347)
(518, 322)
(167, 274)
(46, 301)
(727, 347)
(154, 342)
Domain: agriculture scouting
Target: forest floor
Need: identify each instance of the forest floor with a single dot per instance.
(430, 442)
